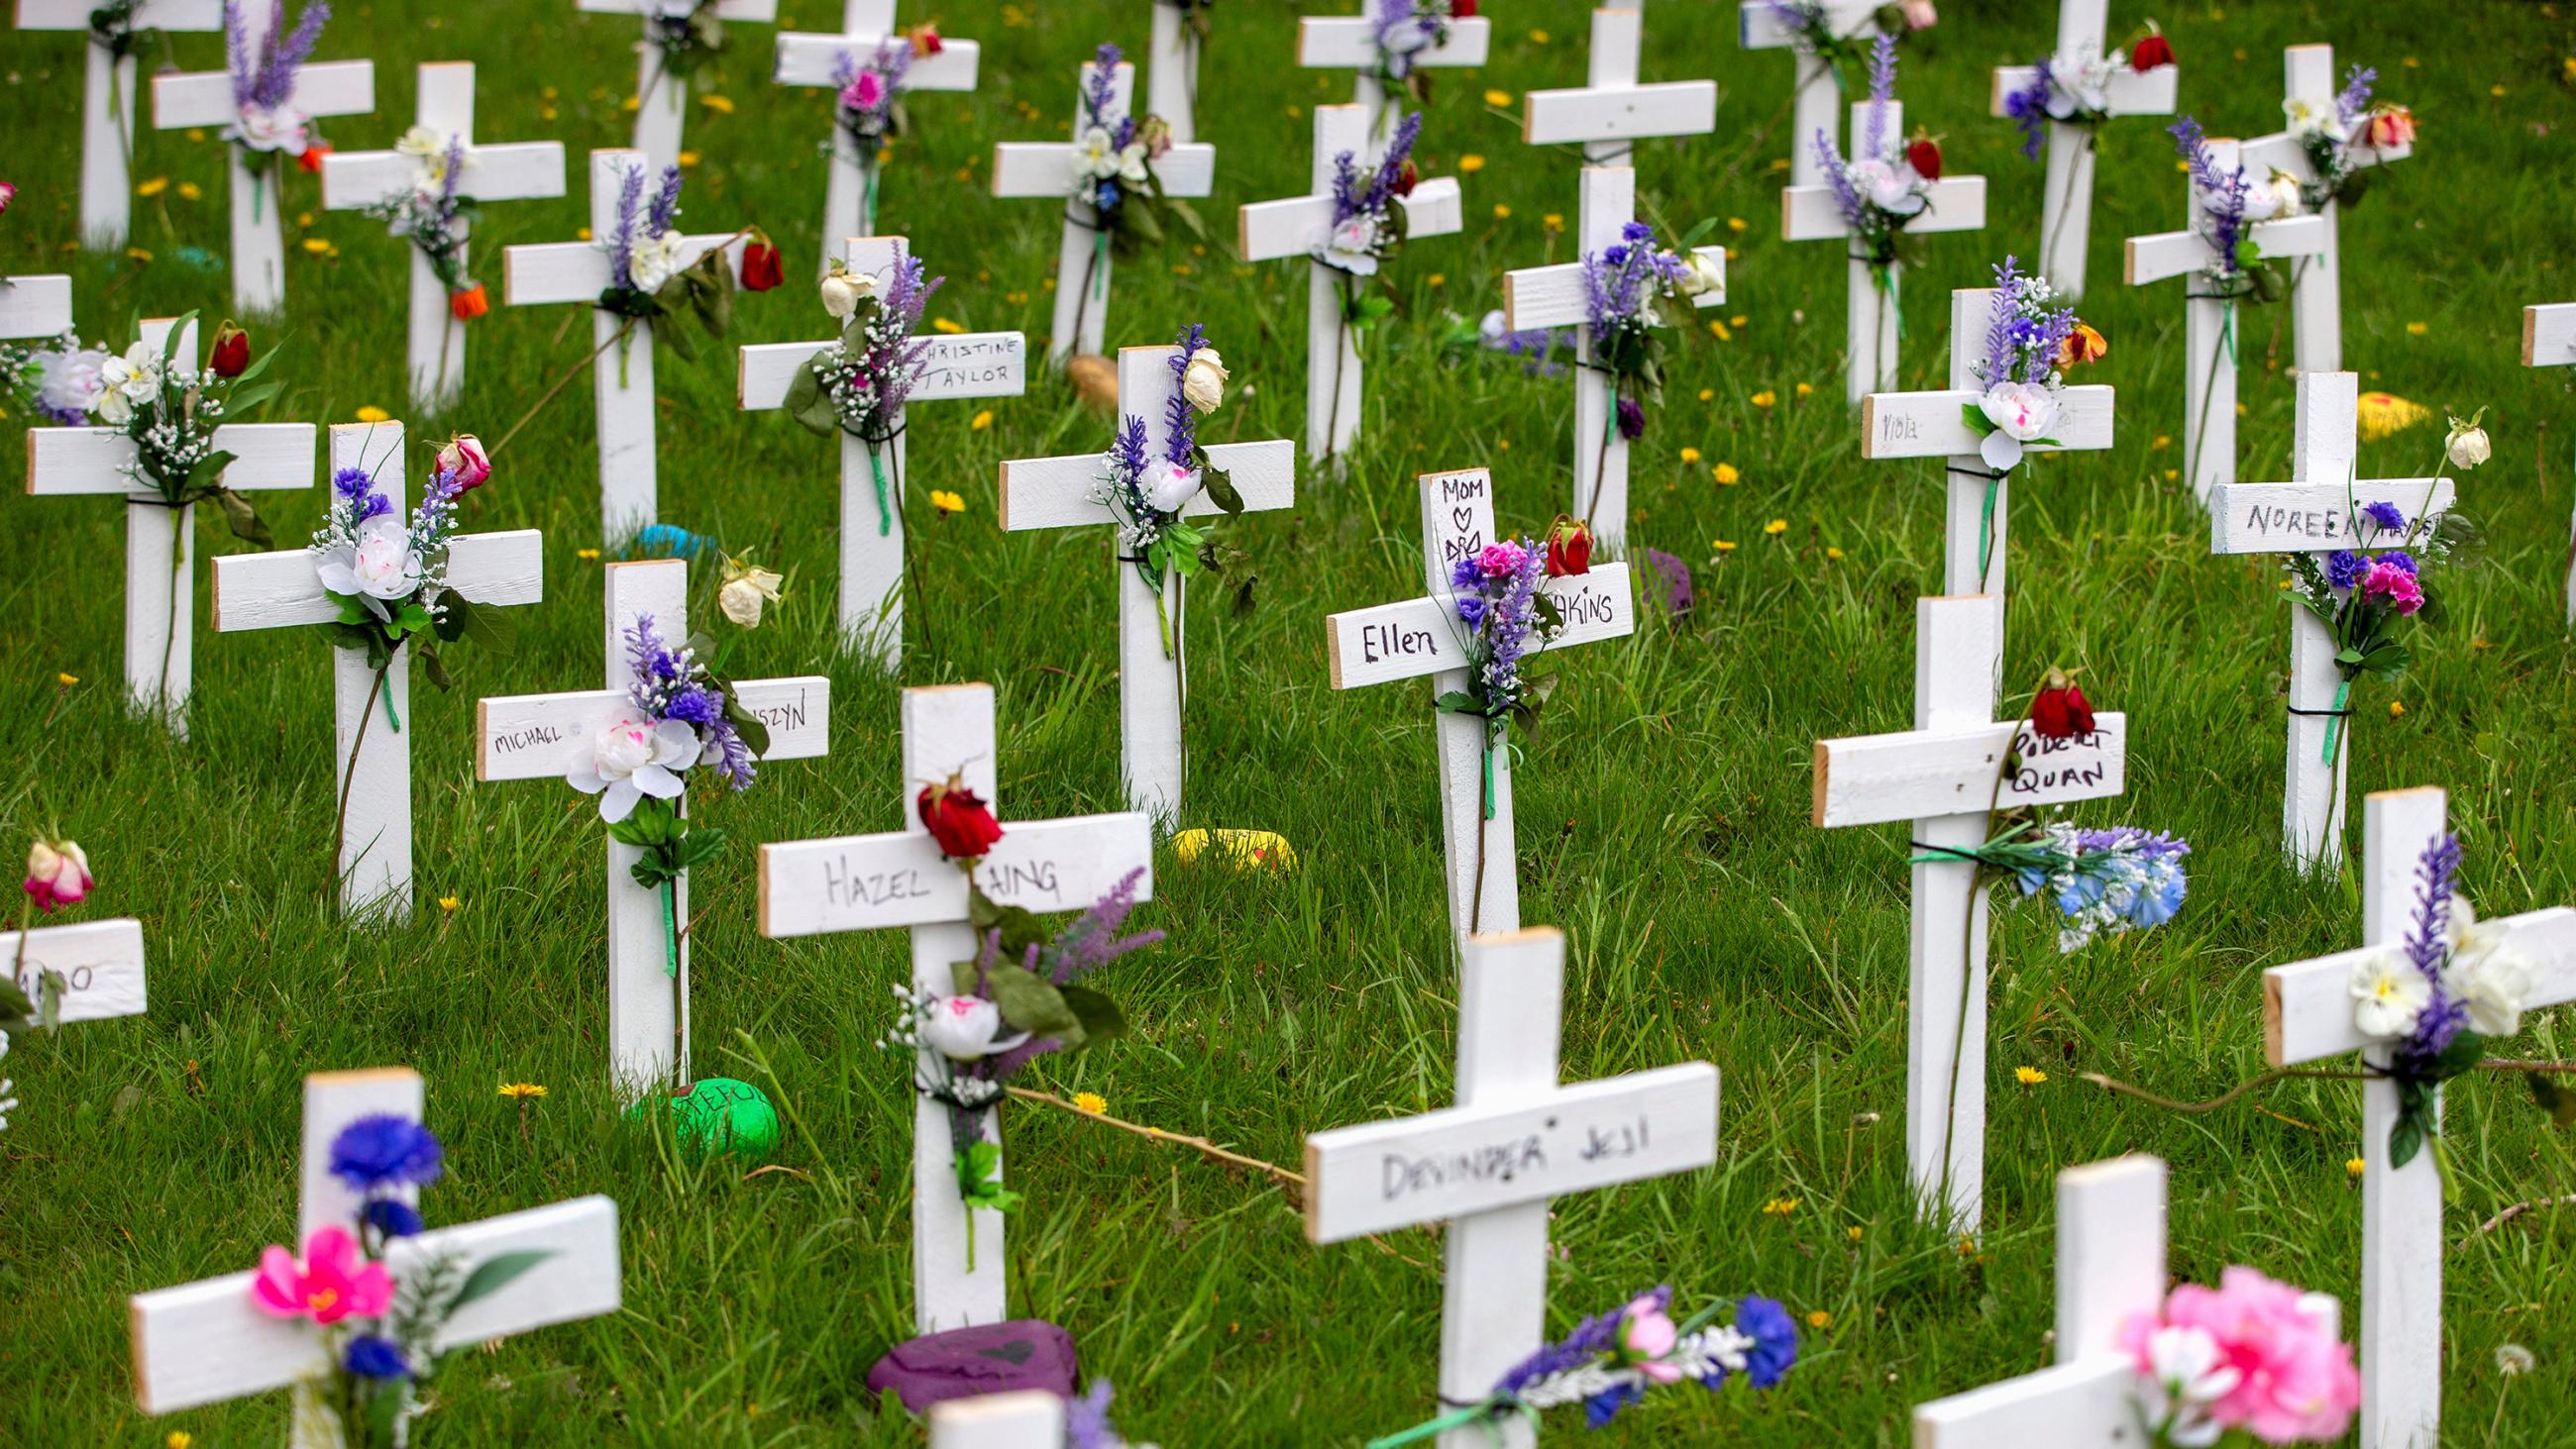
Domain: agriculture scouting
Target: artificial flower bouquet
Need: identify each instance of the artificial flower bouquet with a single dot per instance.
(1887, 182)
(1811, 28)
(2250, 1361)
(1113, 170)
(858, 384)
(1635, 291)
(646, 280)
(869, 109)
(170, 411)
(2030, 343)
(2337, 135)
(2073, 87)
(388, 574)
(2230, 205)
(1148, 493)
(434, 217)
(1368, 228)
(688, 33)
(57, 876)
(1401, 31)
(268, 126)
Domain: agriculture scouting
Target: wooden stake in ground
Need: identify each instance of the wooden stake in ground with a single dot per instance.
(1558, 1140)
(2308, 1014)
(661, 95)
(208, 1342)
(1546, 298)
(2322, 510)
(160, 541)
(1303, 227)
(1947, 776)
(1068, 492)
(1172, 66)
(868, 40)
(900, 879)
(873, 480)
(1385, 51)
(544, 736)
(107, 101)
(515, 171)
(371, 756)
(2082, 79)
(2310, 93)
(2549, 340)
(1613, 110)
(209, 99)
(1816, 102)
(1424, 637)
(1067, 172)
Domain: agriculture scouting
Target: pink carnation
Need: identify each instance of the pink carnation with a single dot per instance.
(1499, 560)
(2402, 590)
(866, 92)
(2294, 1381)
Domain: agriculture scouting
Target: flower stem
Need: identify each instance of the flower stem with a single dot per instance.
(2213, 1104)
(577, 369)
(1201, 1145)
(349, 773)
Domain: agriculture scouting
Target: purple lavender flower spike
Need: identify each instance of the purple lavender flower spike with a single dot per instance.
(2354, 99)
(1836, 176)
(277, 77)
(1882, 89)
(666, 202)
(1182, 447)
(621, 241)
(2428, 948)
(2028, 108)
(1098, 99)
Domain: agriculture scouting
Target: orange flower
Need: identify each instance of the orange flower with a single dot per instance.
(469, 304)
(2081, 345)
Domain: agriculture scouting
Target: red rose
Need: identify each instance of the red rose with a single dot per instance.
(232, 351)
(761, 268)
(1569, 548)
(962, 824)
(925, 41)
(469, 304)
(2060, 712)
(311, 160)
(1462, 9)
(1407, 177)
(1924, 155)
(2151, 52)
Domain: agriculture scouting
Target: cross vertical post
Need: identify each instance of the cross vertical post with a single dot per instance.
(107, 105)
(813, 60)
(1816, 97)
(662, 99)
(1172, 70)
(2549, 340)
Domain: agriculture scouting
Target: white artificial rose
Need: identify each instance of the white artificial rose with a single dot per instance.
(1131, 164)
(1702, 275)
(967, 1028)
(2467, 446)
(630, 759)
(1352, 246)
(1170, 485)
(2388, 994)
(2079, 83)
(654, 261)
(844, 290)
(270, 128)
(2490, 977)
(1203, 381)
(743, 597)
(1892, 187)
(422, 141)
(72, 382)
(2022, 412)
(2262, 201)
(380, 566)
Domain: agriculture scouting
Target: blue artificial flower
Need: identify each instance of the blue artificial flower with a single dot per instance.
(392, 1217)
(2344, 568)
(2160, 897)
(2399, 559)
(2385, 514)
(1471, 610)
(1465, 575)
(1604, 1406)
(371, 1357)
(1636, 231)
(1775, 1340)
(385, 1150)
(350, 482)
(2081, 892)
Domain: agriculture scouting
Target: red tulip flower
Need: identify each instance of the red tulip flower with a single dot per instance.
(2060, 711)
(469, 304)
(761, 267)
(1407, 177)
(311, 160)
(958, 819)
(1924, 155)
(232, 351)
(1569, 548)
(2151, 52)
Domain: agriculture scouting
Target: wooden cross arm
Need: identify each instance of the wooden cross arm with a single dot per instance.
(1758, 26)
(278, 590)
(578, 271)
(1543, 297)
(2132, 93)
(1443, 1165)
(1349, 42)
(1931, 425)
(1416, 637)
(1955, 203)
(205, 1342)
(1872, 779)
(205, 98)
(953, 365)
(515, 171)
(36, 306)
(2548, 335)
(2281, 151)
(93, 460)
(1056, 492)
(101, 963)
(1021, 1419)
(808, 59)
(2314, 517)
(2307, 1005)
(1269, 230)
(872, 882)
(1045, 168)
(2179, 253)
(153, 14)
(540, 736)
(757, 12)
(2087, 1404)
(1671, 108)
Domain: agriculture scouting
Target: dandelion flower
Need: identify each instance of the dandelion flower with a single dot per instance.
(1735, 223)
(2513, 1360)
(373, 414)
(1470, 164)
(1498, 99)
(2416, 329)
(942, 324)
(1690, 455)
(1765, 398)
(153, 187)
(67, 680)
(2354, 1167)
(1091, 1102)
(1806, 389)
(1501, 212)
(521, 1091)
(450, 903)
(2029, 1076)
(983, 419)
(1780, 1207)
(946, 502)
(1726, 475)
(586, 555)
(721, 105)
(1819, 1318)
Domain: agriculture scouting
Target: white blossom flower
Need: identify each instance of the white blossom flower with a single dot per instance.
(2022, 412)
(2079, 82)
(1702, 275)
(129, 380)
(72, 382)
(967, 1028)
(2489, 976)
(2186, 1373)
(1352, 246)
(1131, 164)
(1203, 382)
(654, 261)
(1892, 186)
(1095, 155)
(2467, 445)
(1168, 485)
(2388, 994)
(747, 589)
(844, 290)
(270, 128)
(423, 142)
(376, 566)
(2316, 118)
(631, 759)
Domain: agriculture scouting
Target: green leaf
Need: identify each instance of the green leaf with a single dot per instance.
(1020, 930)
(243, 399)
(1100, 1017)
(241, 517)
(1220, 485)
(1031, 1003)
(1976, 419)
(754, 731)
(495, 1273)
(2557, 1101)
(2405, 1140)
(434, 668)
(810, 405)
(979, 1178)
(178, 330)
(1458, 701)
(1189, 217)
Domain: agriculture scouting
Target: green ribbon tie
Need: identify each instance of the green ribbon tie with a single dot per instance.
(393, 718)
(671, 928)
(1479, 1413)
(2334, 721)
(1986, 530)
(885, 513)
(1099, 263)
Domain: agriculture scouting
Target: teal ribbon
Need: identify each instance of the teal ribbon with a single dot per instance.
(390, 716)
(1479, 1413)
(1986, 530)
(1099, 264)
(671, 929)
(2334, 721)
(868, 196)
(885, 512)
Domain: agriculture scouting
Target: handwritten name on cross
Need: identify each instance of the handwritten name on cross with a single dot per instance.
(1423, 637)
(206, 1342)
(621, 372)
(1082, 262)
(1546, 298)
(1613, 111)
(85, 971)
(2211, 330)
(1349, 42)
(1298, 227)
(1153, 684)
(2316, 294)
(2307, 1016)
(372, 715)
(204, 99)
(662, 98)
(107, 104)
(502, 171)
(899, 879)
(2066, 202)
(2317, 512)
(1946, 775)
(953, 365)
(1816, 97)
(2549, 340)
(1871, 327)
(542, 736)
(160, 541)
(807, 59)
(1488, 1166)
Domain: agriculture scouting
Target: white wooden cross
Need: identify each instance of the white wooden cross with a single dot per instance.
(1816, 101)
(107, 105)
(39, 306)
(1422, 637)
(804, 59)
(959, 365)
(2066, 205)
(662, 100)
(205, 99)
(621, 372)
(1931, 425)
(371, 755)
(1023, 1419)
(1349, 42)
(2213, 329)
(1083, 262)
(1057, 493)
(206, 1342)
(2308, 1015)
(2315, 513)
(2549, 340)
(899, 879)
(1172, 70)
(160, 542)
(1546, 298)
(1612, 111)
(98, 963)
(2316, 297)
(1943, 776)
(542, 736)
(1296, 227)
(502, 171)
(1488, 1166)
(1811, 213)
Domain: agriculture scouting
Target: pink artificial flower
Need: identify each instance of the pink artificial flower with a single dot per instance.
(2295, 1382)
(463, 459)
(333, 1282)
(2404, 593)
(1919, 14)
(866, 92)
(8, 193)
(1499, 560)
(1646, 1334)
(2393, 126)
(57, 874)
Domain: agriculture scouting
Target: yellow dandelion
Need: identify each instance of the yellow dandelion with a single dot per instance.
(721, 105)
(1835, 554)
(2396, 710)
(1736, 223)
(631, 103)
(1780, 1207)
(1470, 164)
(1739, 319)
(1819, 1318)
(450, 903)
(1436, 279)
(138, 254)
(942, 324)
(1722, 545)
(2161, 441)
(1091, 1102)
(581, 234)
(1765, 398)
(549, 113)
(2496, 91)
(1538, 37)
(1295, 111)
(946, 502)
(1708, 394)
(303, 219)
(1503, 443)
(68, 680)
(586, 555)
(1498, 99)
(2384, 413)
(373, 414)
(178, 1439)
(687, 159)
(1775, 527)
(1852, 1232)
(1717, 328)
(191, 191)
(317, 246)
(2029, 1076)
(2417, 329)
(153, 187)
(1690, 455)
(521, 1091)
(1806, 389)
(1501, 212)
(2172, 473)
(1553, 221)
(2354, 1167)
(983, 419)
(1726, 475)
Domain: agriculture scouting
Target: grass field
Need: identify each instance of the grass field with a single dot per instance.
(1663, 809)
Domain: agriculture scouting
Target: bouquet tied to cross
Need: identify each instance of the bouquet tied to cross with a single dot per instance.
(1810, 27)
(2030, 343)
(1634, 291)
(1113, 172)
(649, 282)
(688, 34)
(1887, 182)
(869, 107)
(2073, 87)
(2339, 136)
(1150, 493)
(2231, 204)
(1400, 31)
(859, 384)
(268, 126)
(434, 217)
